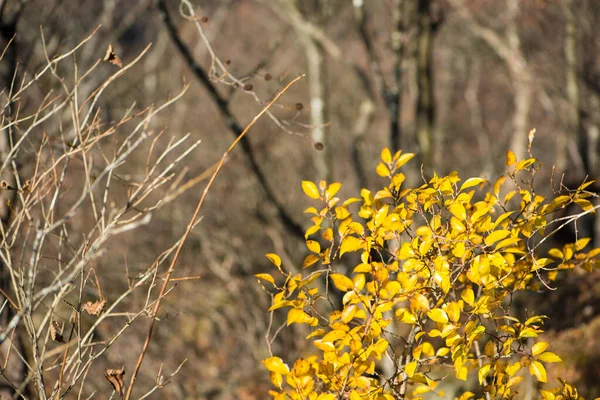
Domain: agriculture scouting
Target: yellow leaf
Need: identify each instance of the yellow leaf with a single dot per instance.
(420, 302)
(514, 381)
(512, 369)
(342, 282)
(549, 357)
(586, 205)
(297, 315)
(350, 244)
(348, 313)
(468, 296)
(470, 183)
(332, 190)
(457, 226)
(312, 230)
(528, 332)
(310, 259)
(266, 277)
(410, 368)
(482, 373)
(556, 253)
(382, 170)
(498, 184)
(438, 315)
(462, 373)
(458, 210)
(509, 196)
(537, 369)
(490, 349)
(539, 348)
(405, 316)
(311, 210)
(510, 158)
(453, 310)
(324, 346)
(496, 236)
(310, 189)
(403, 159)
(341, 213)
(386, 156)
(524, 164)
(313, 246)
(275, 364)
(275, 259)
(354, 395)
(581, 243)
(359, 281)
(459, 249)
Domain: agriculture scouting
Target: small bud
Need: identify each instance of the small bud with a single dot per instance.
(248, 86)
(319, 146)
(228, 62)
(299, 106)
(204, 19)
(268, 77)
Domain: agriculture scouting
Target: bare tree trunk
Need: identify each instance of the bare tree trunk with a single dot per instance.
(523, 91)
(425, 107)
(394, 97)
(363, 121)
(477, 121)
(317, 73)
(316, 61)
(508, 48)
(573, 120)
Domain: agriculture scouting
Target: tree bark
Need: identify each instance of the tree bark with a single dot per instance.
(425, 107)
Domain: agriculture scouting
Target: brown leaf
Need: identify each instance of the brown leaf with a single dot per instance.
(55, 332)
(116, 377)
(94, 308)
(112, 57)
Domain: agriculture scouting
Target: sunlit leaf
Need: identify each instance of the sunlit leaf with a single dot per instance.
(310, 259)
(468, 296)
(310, 189)
(438, 315)
(410, 368)
(511, 159)
(313, 246)
(482, 373)
(539, 348)
(350, 244)
(342, 282)
(458, 210)
(386, 156)
(470, 183)
(496, 236)
(549, 357)
(332, 190)
(266, 277)
(382, 170)
(403, 159)
(537, 369)
(276, 364)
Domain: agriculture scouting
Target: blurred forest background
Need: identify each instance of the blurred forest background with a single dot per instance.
(457, 81)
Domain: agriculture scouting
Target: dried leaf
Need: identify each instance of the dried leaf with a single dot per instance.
(94, 308)
(112, 57)
(55, 332)
(116, 377)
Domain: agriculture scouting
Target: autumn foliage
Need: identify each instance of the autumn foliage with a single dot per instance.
(423, 279)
